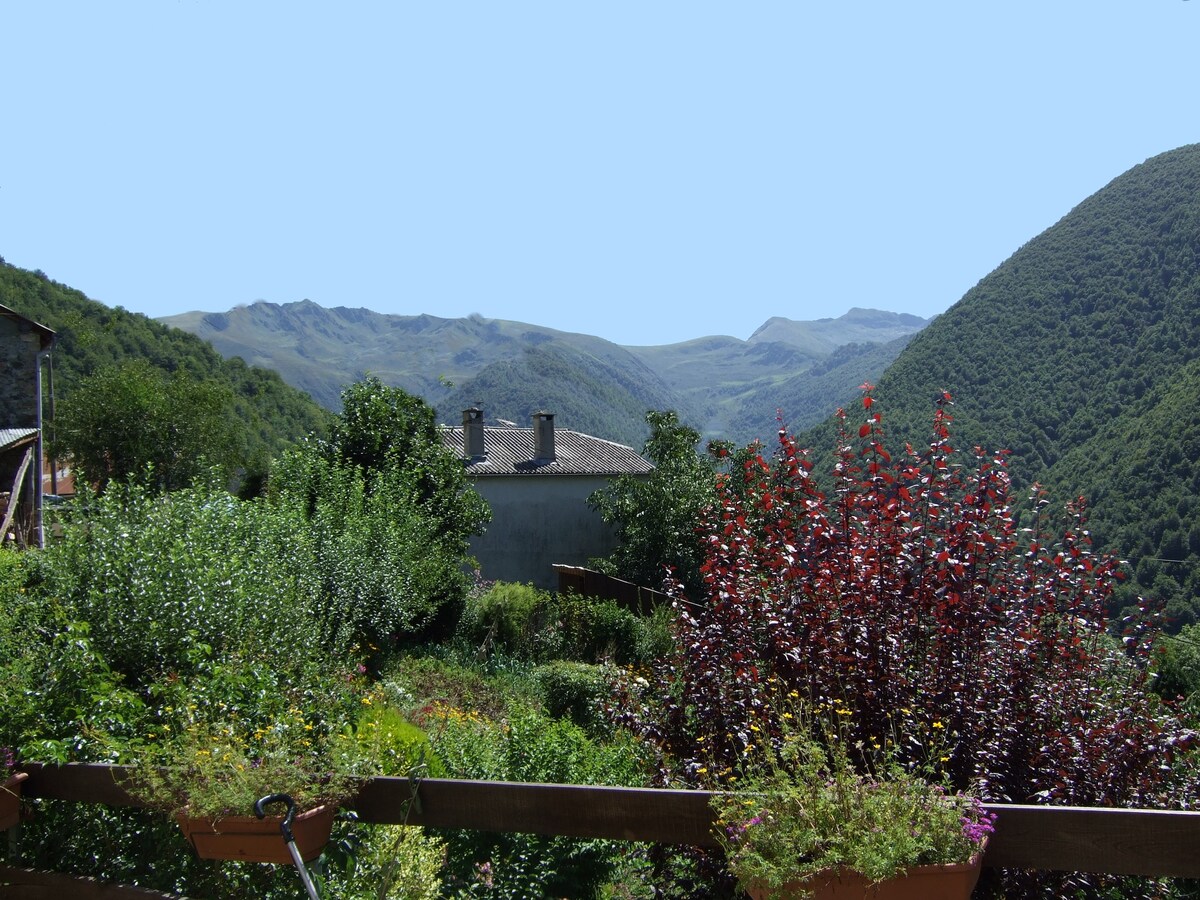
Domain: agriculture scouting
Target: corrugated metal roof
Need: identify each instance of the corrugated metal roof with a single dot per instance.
(11, 436)
(509, 451)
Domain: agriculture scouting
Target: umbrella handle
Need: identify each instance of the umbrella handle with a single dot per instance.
(285, 827)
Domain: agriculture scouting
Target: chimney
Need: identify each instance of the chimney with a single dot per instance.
(543, 436)
(473, 433)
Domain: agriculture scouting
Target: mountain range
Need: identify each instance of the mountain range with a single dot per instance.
(729, 388)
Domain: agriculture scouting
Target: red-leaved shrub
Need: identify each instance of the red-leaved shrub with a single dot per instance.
(911, 597)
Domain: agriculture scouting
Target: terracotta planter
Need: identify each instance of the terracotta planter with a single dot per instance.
(10, 801)
(250, 839)
(949, 882)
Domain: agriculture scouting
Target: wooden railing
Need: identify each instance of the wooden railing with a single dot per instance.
(1153, 843)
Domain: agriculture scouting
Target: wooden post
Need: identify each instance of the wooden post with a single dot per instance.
(14, 499)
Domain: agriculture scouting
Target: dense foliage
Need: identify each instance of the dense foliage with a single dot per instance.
(134, 420)
(387, 516)
(655, 517)
(1079, 354)
(163, 582)
(520, 622)
(169, 630)
(221, 645)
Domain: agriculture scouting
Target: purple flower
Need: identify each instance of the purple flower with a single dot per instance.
(977, 824)
(736, 831)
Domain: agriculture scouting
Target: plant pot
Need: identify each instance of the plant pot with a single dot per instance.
(250, 839)
(948, 882)
(10, 800)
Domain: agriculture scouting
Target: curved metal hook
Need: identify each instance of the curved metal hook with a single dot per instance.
(285, 827)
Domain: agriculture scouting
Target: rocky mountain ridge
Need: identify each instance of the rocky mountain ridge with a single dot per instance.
(512, 369)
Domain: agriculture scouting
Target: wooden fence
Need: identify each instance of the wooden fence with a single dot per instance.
(590, 583)
(1153, 843)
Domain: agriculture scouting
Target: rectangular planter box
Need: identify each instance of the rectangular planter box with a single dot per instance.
(250, 839)
(10, 801)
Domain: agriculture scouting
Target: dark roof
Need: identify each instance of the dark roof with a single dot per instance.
(510, 452)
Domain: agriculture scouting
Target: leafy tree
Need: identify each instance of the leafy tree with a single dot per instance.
(655, 517)
(1177, 660)
(389, 513)
(132, 419)
(378, 422)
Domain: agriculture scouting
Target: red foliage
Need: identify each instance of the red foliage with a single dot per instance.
(912, 595)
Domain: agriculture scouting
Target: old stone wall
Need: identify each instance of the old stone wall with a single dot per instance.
(19, 345)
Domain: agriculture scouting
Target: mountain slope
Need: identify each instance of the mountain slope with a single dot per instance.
(92, 335)
(1075, 354)
(586, 393)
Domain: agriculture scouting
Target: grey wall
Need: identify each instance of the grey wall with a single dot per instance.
(538, 521)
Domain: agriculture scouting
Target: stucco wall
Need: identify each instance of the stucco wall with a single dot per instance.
(538, 521)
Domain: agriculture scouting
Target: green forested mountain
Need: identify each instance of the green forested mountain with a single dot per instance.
(1080, 354)
(807, 396)
(92, 336)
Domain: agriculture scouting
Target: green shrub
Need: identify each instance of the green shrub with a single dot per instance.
(1177, 664)
(418, 681)
(391, 744)
(380, 560)
(384, 862)
(158, 578)
(522, 622)
(514, 619)
(658, 636)
(594, 630)
(575, 691)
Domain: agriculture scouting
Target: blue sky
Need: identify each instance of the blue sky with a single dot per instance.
(649, 172)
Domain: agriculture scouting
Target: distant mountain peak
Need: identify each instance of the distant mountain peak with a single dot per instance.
(820, 337)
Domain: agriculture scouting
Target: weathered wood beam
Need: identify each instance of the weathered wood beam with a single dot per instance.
(29, 884)
(618, 813)
(14, 497)
(1151, 842)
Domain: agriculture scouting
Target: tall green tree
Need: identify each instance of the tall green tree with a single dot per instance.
(379, 422)
(134, 419)
(655, 517)
(389, 516)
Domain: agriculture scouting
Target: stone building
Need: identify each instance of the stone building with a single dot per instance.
(24, 344)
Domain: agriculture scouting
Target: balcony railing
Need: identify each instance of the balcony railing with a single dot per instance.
(1154, 843)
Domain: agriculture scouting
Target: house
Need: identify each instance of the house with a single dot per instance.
(537, 481)
(24, 344)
